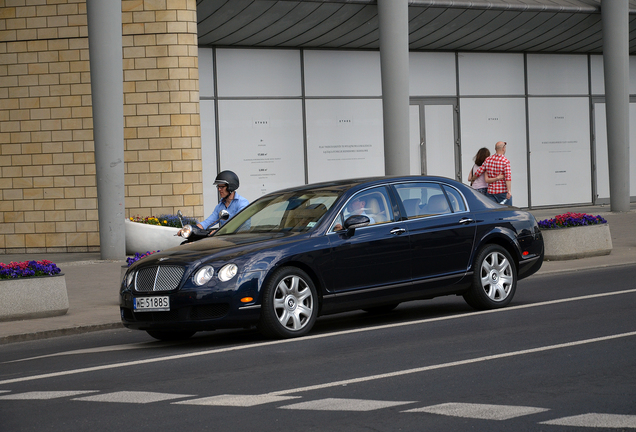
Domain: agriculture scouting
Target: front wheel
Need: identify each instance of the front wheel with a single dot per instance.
(494, 279)
(290, 304)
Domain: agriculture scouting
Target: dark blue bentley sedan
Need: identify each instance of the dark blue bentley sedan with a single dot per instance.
(331, 247)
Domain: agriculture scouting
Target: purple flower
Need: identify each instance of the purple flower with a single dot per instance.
(567, 220)
(138, 256)
(16, 270)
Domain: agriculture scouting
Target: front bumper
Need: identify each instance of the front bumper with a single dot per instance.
(214, 306)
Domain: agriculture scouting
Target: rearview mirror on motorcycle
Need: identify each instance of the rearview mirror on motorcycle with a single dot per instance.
(192, 232)
(180, 216)
(224, 215)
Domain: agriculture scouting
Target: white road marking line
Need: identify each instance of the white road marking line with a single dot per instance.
(452, 364)
(236, 400)
(479, 411)
(307, 338)
(593, 420)
(335, 404)
(44, 395)
(132, 397)
(140, 345)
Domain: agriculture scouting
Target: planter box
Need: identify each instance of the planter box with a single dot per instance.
(577, 242)
(33, 297)
(142, 238)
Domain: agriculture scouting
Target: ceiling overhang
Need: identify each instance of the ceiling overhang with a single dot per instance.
(546, 26)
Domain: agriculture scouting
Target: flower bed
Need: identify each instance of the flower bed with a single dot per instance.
(15, 270)
(142, 238)
(153, 233)
(575, 235)
(131, 260)
(567, 220)
(164, 220)
(32, 289)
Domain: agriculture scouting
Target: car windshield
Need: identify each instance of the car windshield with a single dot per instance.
(290, 211)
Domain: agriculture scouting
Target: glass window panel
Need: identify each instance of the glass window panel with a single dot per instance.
(456, 199)
(422, 199)
(373, 203)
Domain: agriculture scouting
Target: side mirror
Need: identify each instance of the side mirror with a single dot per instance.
(224, 215)
(355, 221)
(180, 216)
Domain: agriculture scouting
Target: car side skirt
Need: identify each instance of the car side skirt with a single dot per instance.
(396, 293)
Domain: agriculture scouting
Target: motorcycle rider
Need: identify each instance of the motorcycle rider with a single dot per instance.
(227, 182)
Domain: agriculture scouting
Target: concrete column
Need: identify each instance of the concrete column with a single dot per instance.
(105, 50)
(614, 16)
(394, 63)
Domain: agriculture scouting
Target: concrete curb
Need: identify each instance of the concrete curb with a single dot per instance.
(572, 270)
(25, 337)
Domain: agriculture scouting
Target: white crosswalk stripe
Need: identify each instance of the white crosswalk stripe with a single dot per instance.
(592, 420)
(44, 395)
(451, 409)
(236, 400)
(132, 397)
(479, 411)
(335, 404)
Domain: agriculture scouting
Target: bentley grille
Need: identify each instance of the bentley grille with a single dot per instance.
(158, 278)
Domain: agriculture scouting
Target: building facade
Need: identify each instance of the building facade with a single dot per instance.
(211, 89)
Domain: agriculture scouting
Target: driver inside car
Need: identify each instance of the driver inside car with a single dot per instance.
(355, 207)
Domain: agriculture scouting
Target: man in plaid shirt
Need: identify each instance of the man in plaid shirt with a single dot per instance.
(495, 165)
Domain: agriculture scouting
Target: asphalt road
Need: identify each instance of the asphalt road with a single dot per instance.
(562, 357)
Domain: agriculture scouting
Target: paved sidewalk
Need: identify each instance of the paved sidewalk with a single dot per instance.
(92, 284)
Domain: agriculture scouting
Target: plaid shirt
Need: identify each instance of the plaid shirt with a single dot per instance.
(494, 165)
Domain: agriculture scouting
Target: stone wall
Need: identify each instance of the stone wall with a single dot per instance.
(48, 190)
(47, 156)
(161, 97)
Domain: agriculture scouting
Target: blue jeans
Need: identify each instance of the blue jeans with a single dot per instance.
(498, 198)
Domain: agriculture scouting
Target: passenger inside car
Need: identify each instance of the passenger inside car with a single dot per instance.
(437, 204)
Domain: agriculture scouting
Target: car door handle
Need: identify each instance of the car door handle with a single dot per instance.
(466, 221)
(398, 231)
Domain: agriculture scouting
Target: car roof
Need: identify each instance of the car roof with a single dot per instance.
(346, 184)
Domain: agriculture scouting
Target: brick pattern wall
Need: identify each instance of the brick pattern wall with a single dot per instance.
(161, 108)
(47, 170)
(48, 193)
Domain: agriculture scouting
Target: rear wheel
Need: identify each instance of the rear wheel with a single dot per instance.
(290, 304)
(167, 335)
(494, 279)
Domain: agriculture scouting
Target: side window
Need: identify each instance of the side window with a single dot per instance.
(456, 200)
(422, 199)
(373, 203)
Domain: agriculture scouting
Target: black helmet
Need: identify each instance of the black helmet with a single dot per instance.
(228, 178)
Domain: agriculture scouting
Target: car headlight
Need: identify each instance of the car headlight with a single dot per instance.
(186, 231)
(228, 272)
(130, 277)
(203, 275)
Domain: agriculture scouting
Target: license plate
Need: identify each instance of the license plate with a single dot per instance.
(146, 304)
